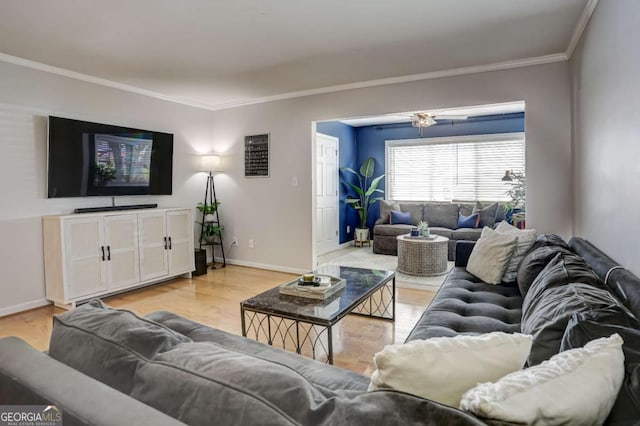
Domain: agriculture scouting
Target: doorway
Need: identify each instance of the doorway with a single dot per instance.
(327, 215)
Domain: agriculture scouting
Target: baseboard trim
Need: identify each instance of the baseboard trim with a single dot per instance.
(347, 244)
(268, 267)
(9, 310)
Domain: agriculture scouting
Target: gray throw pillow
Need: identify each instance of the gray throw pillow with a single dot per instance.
(487, 214)
(108, 344)
(385, 209)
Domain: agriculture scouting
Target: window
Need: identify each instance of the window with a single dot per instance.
(464, 168)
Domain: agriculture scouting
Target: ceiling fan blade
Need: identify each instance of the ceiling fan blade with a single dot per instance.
(450, 117)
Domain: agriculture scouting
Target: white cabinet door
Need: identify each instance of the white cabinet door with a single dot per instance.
(121, 243)
(153, 245)
(84, 265)
(180, 238)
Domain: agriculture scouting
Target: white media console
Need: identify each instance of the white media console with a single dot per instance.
(97, 254)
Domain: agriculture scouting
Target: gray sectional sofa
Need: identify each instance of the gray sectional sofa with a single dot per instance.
(165, 369)
(442, 218)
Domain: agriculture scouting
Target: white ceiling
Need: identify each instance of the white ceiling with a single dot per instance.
(221, 53)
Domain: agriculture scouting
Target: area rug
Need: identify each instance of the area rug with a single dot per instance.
(365, 258)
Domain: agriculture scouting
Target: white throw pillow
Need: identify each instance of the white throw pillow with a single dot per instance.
(490, 255)
(525, 239)
(443, 368)
(575, 387)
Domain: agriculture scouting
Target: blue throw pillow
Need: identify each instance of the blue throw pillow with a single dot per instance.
(397, 218)
(471, 221)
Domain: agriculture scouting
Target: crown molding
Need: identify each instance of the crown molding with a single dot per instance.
(581, 26)
(558, 57)
(539, 60)
(97, 80)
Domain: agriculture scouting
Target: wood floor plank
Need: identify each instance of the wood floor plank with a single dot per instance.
(214, 299)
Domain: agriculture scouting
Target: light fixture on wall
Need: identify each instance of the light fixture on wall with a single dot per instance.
(210, 219)
(422, 120)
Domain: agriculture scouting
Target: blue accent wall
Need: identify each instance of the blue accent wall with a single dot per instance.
(369, 141)
(347, 158)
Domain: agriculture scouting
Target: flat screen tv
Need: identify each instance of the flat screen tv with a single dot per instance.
(90, 159)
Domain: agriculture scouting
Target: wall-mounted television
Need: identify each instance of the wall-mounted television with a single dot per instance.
(91, 159)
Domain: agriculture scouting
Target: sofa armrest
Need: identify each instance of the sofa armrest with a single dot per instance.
(29, 377)
(463, 251)
(379, 221)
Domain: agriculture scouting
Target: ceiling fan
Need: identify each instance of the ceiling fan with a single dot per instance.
(425, 119)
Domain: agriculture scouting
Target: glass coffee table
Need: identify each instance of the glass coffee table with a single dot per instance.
(304, 325)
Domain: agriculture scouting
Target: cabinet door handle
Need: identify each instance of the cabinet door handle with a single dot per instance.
(165, 242)
(169, 243)
(108, 252)
(102, 248)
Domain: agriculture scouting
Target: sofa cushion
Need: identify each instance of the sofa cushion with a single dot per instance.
(465, 304)
(563, 269)
(108, 344)
(399, 218)
(443, 215)
(587, 326)
(547, 315)
(534, 262)
(487, 214)
(468, 221)
(491, 255)
(466, 208)
(455, 364)
(385, 209)
(525, 238)
(577, 387)
(466, 234)
(544, 240)
(391, 230)
(203, 383)
(443, 232)
(415, 209)
(315, 372)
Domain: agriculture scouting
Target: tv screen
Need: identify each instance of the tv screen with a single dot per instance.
(90, 159)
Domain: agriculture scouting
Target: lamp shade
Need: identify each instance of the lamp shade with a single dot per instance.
(209, 163)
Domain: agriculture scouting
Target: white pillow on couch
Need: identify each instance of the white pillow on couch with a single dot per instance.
(491, 255)
(574, 387)
(525, 239)
(443, 368)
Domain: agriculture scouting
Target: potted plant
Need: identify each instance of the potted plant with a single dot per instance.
(517, 193)
(365, 190)
(208, 210)
(423, 227)
(210, 231)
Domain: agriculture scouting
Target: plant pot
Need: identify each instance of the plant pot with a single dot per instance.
(361, 234)
(425, 232)
(209, 239)
(209, 217)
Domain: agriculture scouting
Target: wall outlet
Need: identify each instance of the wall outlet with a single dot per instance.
(348, 229)
(294, 181)
(235, 241)
(250, 243)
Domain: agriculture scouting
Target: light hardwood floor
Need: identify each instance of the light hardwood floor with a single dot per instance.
(214, 299)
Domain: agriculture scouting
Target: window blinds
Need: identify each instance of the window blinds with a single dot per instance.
(467, 168)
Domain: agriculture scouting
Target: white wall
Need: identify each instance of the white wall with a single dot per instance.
(27, 97)
(606, 99)
(278, 216)
(272, 212)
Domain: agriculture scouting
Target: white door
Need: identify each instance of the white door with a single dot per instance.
(121, 241)
(84, 256)
(153, 242)
(327, 235)
(180, 241)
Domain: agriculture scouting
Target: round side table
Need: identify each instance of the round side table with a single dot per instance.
(422, 256)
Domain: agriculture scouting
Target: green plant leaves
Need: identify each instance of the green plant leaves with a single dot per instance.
(367, 167)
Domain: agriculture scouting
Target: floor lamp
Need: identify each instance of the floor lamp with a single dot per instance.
(211, 164)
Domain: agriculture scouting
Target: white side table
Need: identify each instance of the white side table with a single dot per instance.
(421, 256)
